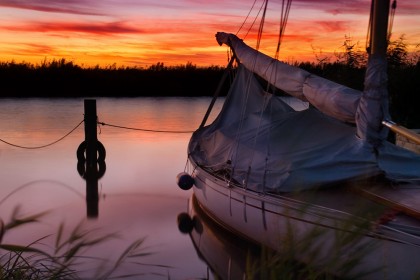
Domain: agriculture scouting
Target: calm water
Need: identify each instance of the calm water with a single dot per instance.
(138, 195)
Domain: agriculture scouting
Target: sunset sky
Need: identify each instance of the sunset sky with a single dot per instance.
(144, 32)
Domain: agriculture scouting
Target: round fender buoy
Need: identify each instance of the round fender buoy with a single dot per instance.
(185, 223)
(184, 181)
(101, 152)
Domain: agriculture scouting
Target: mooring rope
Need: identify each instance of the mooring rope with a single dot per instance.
(146, 130)
(101, 123)
(43, 146)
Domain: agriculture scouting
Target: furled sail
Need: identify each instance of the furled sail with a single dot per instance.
(332, 99)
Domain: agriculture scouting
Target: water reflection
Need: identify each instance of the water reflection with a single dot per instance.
(227, 255)
(91, 174)
(134, 194)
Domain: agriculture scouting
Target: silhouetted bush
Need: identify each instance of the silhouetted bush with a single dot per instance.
(61, 78)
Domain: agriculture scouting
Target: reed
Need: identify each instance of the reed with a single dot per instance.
(306, 256)
(64, 260)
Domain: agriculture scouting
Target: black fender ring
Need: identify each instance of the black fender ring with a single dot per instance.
(82, 148)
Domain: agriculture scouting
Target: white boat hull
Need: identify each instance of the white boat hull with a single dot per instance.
(384, 251)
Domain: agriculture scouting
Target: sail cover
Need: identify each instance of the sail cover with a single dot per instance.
(263, 143)
(331, 98)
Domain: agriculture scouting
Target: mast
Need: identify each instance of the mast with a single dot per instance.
(373, 105)
(379, 40)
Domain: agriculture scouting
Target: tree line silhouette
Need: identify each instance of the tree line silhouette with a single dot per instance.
(62, 78)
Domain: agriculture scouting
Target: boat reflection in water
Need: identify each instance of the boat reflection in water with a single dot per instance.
(226, 254)
(229, 255)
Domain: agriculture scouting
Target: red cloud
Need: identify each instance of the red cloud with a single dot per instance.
(92, 28)
(52, 6)
(336, 7)
(332, 26)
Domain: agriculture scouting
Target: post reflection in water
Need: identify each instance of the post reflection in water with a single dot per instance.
(91, 174)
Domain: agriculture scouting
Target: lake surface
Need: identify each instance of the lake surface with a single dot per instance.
(138, 195)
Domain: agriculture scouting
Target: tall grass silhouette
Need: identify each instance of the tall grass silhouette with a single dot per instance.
(67, 257)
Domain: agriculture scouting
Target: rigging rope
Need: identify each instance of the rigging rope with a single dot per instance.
(255, 19)
(246, 18)
(391, 18)
(247, 90)
(369, 30)
(43, 146)
(261, 27)
(285, 9)
(146, 130)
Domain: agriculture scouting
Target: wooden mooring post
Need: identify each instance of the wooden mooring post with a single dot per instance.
(91, 139)
(92, 198)
(91, 159)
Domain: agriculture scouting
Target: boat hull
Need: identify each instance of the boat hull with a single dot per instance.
(313, 233)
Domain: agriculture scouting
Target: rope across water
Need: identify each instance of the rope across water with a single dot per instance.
(146, 130)
(101, 123)
(43, 146)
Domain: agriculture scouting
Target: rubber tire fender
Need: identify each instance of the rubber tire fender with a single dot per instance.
(82, 148)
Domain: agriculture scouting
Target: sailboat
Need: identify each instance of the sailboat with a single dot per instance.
(266, 170)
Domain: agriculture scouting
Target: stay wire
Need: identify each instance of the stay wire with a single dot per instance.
(43, 146)
(255, 20)
(246, 18)
(247, 90)
(369, 30)
(261, 27)
(390, 24)
(285, 10)
(145, 130)
(391, 18)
